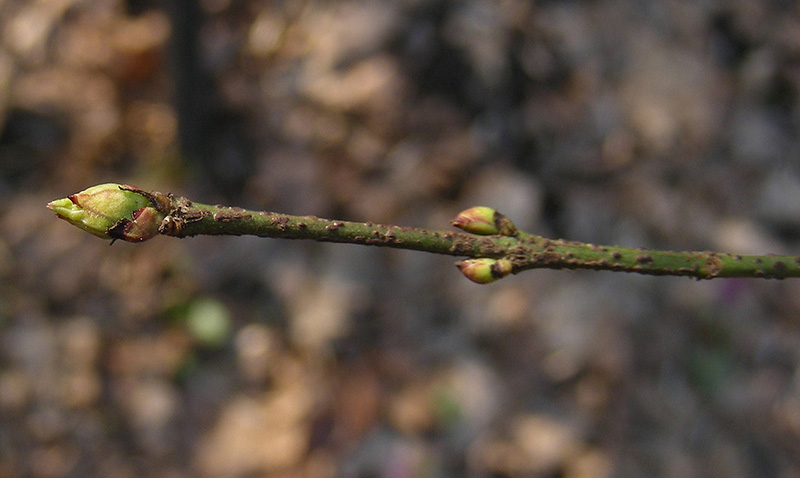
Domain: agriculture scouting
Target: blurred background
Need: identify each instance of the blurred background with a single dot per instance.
(656, 124)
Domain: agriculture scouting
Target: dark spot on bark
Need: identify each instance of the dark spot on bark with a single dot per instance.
(334, 226)
(461, 248)
(191, 215)
(230, 216)
(713, 266)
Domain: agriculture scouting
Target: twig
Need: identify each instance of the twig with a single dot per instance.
(491, 242)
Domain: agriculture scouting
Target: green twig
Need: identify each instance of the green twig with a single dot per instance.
(493, 245)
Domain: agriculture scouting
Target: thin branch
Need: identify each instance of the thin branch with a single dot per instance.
(493, 245)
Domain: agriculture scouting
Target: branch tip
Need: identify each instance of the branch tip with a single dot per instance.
(112, 211)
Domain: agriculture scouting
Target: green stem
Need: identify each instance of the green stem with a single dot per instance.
(525, 251)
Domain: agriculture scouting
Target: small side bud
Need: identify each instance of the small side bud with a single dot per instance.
(484, 221)
(484, 270)
(112, 211)
(477, 220)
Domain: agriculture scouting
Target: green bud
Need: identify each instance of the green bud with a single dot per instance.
(484, 270)
(477, 220)
(112, 211)
(484, 221)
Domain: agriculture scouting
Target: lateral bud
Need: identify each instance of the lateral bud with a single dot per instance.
(484, 270)
(112, 211)
(484, 221)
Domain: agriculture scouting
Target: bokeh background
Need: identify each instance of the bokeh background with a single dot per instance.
(670, 124)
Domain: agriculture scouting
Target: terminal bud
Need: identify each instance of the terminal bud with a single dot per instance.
(112, 211)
